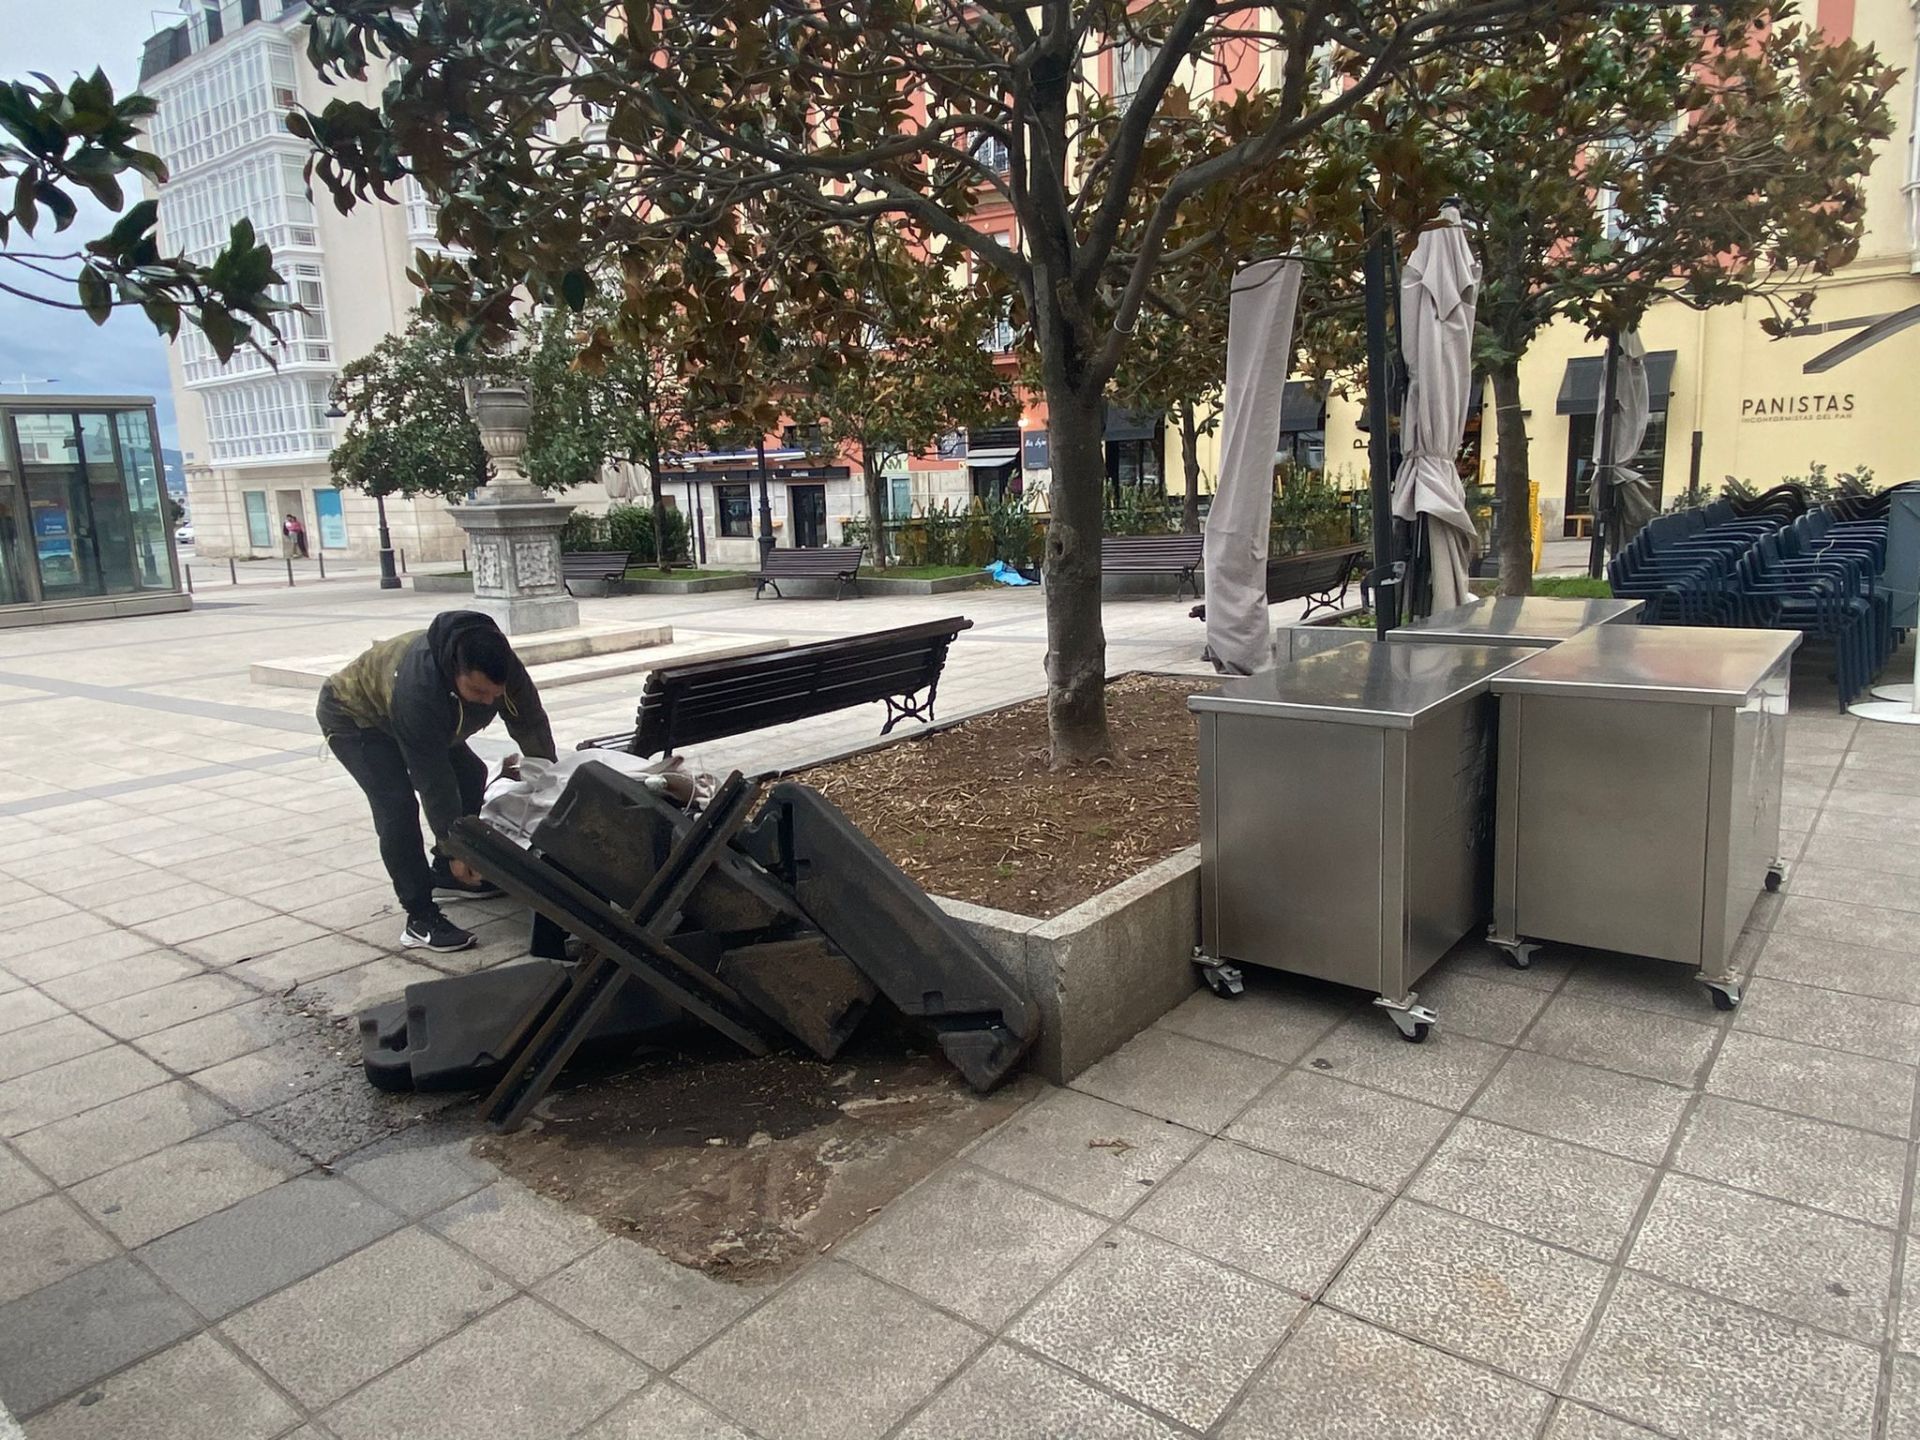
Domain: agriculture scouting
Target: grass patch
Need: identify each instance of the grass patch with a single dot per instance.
(922, 572)
(1572, 587)
(679, 572)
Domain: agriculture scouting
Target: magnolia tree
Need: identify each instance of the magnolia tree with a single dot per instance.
(736, 147)
(1704, 154)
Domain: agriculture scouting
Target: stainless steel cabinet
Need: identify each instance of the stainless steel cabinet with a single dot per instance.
(1533, 620)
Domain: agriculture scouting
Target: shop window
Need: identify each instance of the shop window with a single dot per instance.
(1651, 462)
(260, 526)
(734, 505)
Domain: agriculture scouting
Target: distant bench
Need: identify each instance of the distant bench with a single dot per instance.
(1177, 555)
(711, 699)
(839, 563)
(1320, 577)
(592, 565)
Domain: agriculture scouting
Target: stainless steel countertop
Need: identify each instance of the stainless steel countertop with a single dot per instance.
(1388, 687)
(1515, 620)
(1681, 664)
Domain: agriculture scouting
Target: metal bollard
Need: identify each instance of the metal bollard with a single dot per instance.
(323, 564)
(463, 562)
(233, 575)
(189, 570)
(403, 562)
(289, 572)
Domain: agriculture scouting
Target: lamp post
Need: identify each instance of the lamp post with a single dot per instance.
(766, 507)
(389, 580)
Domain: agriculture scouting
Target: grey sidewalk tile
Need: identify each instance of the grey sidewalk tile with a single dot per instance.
(1564, 1194)
(149, 1197)
(663, 1411)
(1844, 851)
(1271, 1020)
(1097, 1155)
(23, 1007)
(1830, 1167)
(1362, 1134)
(1583, 1422)
(1854, 886)
(225, 913)
(1484, 1009)
(37, 935)
(520, 1372)
(50, 962)
(380, 980)
(1637, 983)
(1485, 1294)
(281, 1235)
(1903, 1400)
(1186, 1081)
(30, 1101)
(1259, 1213)
(195, 1391)
(44, 1241)
(71, 1333)
(97, 1140)
(516, 1231)
(264, 1078)
(260, 937)
(337, 1329)
(1855, 969)
(1693, 1366)
(1886, 1029)
(309, 960)
(1869, 925)
(1876, 829)
(835, 1356)
(1338, 1378)
(199, 1044)
(1797, 1264)
(169, 1005)
(102, 983)
(1009, 1395)
(973, 1243)
(18, 1182)
(1164, 1328)
(1637, 1042)
(1808, 1080)
(35, 1047)
(137, 910)
(644, 1303)
(1623, 1114)
(1369, 1050)
(418, 1172)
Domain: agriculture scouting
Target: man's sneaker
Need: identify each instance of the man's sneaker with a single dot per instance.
(445, 887)
(435, 932)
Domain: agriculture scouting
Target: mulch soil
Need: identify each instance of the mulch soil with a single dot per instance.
(974, 812)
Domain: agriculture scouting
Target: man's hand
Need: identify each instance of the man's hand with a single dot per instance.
(463, 872)
(510, 768)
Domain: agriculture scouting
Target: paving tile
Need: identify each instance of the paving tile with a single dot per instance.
(1186, 1081)
(1338, 1378)
(30, 1101)
(1259, 1213)
(384, 979)
(268, 1241)
(1796, 1263)
(361, 906)
(309, 960)
(654, 1309)
(102, 983)
(1582, 1422)
(1445, 1070)
(140, 906)
(1811, 1162)
(1272, 1019)
(1637, 983)
(1481, 1293)
(1863, 1026)
(35, 1047)
(50, 962)
(516, 1231)
(1850, 884)
(1855, 969)
(244, 942)
(1808, 1080)
(196, 1390)
(214, 1039)
(97, 1140)
(71, 1333)
(885, 1352)
(1564, 1194)
(148, 1197)
(1692, 1365)
(1097, 1155)
(973, 1244)
(169, 1005)
(1009, 1395)
(226, 913)
(338, 1329)
(663, 1412)
(46, 1240)
(1362, 1134)
(1485, 1009)
(23, 1007)
(417, 1173)
(1166, 1329)
(1637, 1042)
(254, 1082)
(1621, 1114)
(18, 1182)
(36, 935)
(1847, 852)
(1869, 925)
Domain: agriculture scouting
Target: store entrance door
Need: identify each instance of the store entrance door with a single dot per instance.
(809, 506)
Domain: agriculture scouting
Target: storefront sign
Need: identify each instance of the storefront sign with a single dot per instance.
(1828, 406)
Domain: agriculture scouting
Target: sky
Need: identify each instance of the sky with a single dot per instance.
(124, 357)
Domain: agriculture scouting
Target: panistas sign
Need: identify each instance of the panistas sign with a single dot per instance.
(1797, 407)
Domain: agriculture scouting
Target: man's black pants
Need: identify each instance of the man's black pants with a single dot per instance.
(373, 759)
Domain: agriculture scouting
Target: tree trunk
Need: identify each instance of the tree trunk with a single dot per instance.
(876, 486)
(1514, 540)
(1076, 637)
(1190, 444)
(659, 508)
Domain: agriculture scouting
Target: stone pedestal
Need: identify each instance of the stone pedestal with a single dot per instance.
(513, 529)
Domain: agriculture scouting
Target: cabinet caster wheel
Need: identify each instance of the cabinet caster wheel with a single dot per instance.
(1776, 877)
(1517, 953)
(1413, 1021)
(1725, 997)
(1223, 980)
(1418, 1033)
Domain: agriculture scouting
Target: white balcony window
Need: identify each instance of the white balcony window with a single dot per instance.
(280, 418)
(227, 105)
(991, 153)
(268, 188)
(304, 340)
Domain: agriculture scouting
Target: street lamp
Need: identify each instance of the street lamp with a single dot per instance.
(766, 508)
(389, 579)
(23, 380)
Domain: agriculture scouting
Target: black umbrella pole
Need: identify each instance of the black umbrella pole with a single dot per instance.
(1386, 571)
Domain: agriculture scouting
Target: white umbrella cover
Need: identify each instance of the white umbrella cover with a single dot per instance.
(1631, 495)
(1438, 291)
(1259, 348)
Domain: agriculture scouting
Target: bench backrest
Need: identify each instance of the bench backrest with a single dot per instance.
(687, 704)
(593, 564)
(1125, 551)
(821, 560)
(1291, 576)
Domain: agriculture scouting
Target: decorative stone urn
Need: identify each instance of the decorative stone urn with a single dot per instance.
(513, 529)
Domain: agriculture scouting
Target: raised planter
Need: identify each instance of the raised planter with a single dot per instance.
(881, 583)
(693, 585)
(461, 584)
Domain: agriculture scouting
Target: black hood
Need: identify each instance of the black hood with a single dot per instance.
(444, 634)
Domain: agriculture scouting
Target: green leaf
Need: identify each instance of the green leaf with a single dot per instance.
(577, 289)
(96, 296)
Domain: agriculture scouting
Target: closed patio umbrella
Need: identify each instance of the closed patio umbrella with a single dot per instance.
(1259, 347)
(1630, 495)
(1439, 287)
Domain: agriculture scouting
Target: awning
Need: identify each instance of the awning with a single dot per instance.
(715, 457)
(1302, 408)
(1132, 424)
(990, 459)
(1580, 387)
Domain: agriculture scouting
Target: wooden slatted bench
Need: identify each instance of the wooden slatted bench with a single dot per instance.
(1177, 555)
(711, 699)
(839, 563)
(593, 565)
(1320, 577)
